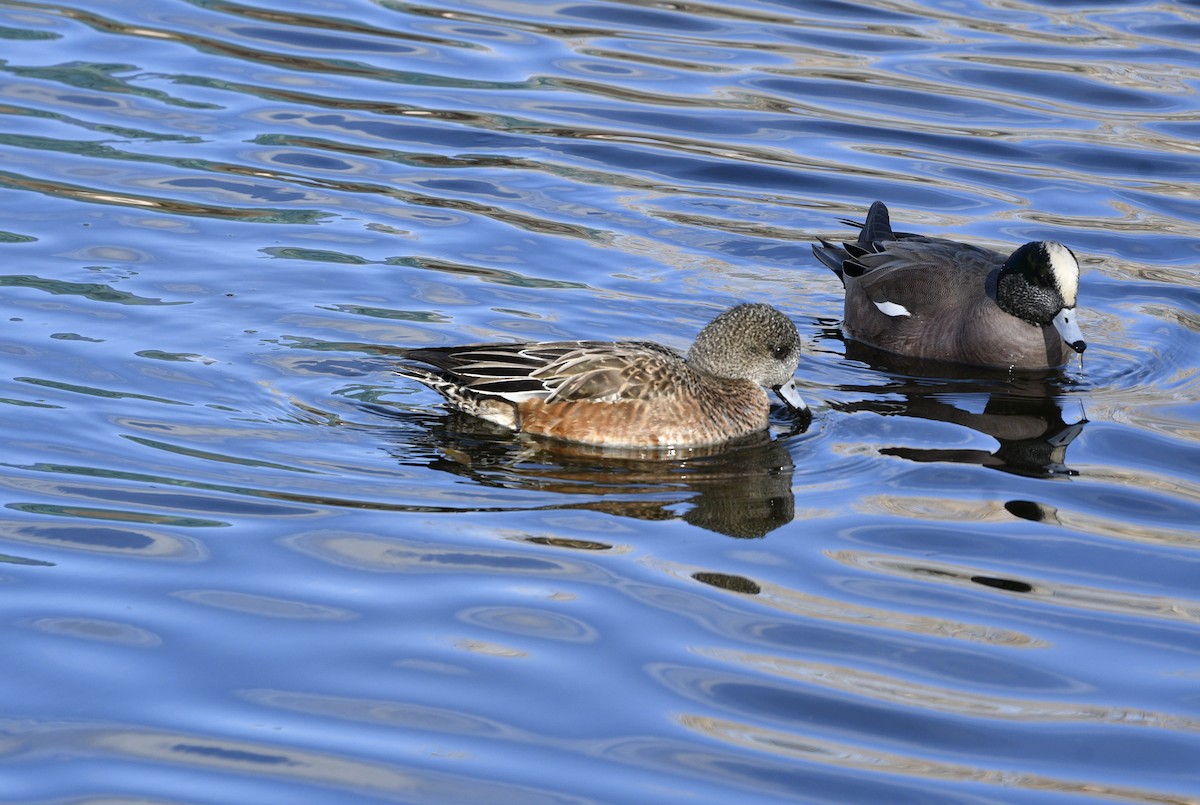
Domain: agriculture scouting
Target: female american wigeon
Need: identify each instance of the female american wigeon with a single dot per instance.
(626, 393)
(942, 300)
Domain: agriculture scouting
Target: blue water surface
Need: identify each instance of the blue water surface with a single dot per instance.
(242, 562)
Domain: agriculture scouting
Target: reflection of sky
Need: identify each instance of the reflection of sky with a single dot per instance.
(236, 550)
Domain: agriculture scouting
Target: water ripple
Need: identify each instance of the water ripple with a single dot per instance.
(225, 221)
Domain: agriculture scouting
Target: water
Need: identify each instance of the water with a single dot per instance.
(241, 562)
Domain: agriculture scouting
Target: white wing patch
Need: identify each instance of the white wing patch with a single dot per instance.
(891, 309)
(523, 396)
(1065, 269)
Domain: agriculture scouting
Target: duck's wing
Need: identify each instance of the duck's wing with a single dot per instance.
(553, 371)
(623, 371)
(500, 370)
(908, 276)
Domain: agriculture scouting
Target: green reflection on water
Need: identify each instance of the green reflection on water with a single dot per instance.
(95, 392)
(493, 275)
(204, 454)
(264, 215)
(101, 78)
(159, 355)
(123, 132)
(25, 34)
(315, 255)
(96, 291)
(27, 403)
(114, 514)
(424, 316)
(20, 560)
(76, 337)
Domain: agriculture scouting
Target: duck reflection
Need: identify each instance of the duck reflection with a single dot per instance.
(1021, 412)
(740, 489)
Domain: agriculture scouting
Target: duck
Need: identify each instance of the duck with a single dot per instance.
(630, 394)
(943, 300)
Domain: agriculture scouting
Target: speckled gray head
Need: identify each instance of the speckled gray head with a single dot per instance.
(752, 342)
(1039, 284)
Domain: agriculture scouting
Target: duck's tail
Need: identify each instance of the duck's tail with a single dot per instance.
(832, 256)
(878, 226)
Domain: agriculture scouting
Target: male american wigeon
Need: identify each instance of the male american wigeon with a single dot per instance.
(626, 393)
(942, 300)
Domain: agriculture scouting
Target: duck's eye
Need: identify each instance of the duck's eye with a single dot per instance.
(779, 352)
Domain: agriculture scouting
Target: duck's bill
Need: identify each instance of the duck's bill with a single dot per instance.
(790, 396)
(1068, 327)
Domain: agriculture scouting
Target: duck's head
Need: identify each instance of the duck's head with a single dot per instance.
(1039, 284)
(752, 342)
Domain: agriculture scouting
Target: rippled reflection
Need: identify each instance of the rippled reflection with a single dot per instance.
(143, 753)
(1023, 413)
(226, 574)
(743, 489)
